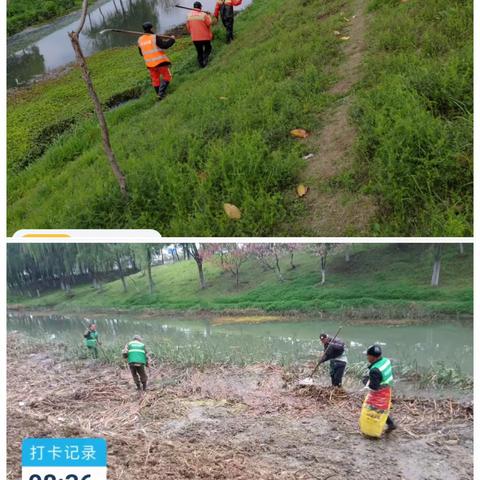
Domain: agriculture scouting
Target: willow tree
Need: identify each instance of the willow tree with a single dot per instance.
(121, 252)
(82, 63)
(144, 253)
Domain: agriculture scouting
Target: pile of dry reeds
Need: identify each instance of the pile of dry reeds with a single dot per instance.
(414, 415)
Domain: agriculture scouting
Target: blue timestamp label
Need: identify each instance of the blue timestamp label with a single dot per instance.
(64, 459)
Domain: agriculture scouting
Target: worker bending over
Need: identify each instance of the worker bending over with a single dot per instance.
(379, 382)
(334, 350)
(199, 26)
(137, 358)
(225, 8)
(151, 48)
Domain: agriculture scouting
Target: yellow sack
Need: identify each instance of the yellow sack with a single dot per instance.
(375, 410)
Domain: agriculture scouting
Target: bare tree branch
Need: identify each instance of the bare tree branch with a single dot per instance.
(82, 63)
(83, 17)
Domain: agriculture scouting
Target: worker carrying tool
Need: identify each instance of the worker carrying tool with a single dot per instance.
(137, 358)
(225, 8)
(199, 26)
(377, 404)
(91, 341)
(334, 351)
(151, 48)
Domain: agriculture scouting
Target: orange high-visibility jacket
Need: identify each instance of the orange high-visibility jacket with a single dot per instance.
(152, 55)
(198, 24)
(232, 3)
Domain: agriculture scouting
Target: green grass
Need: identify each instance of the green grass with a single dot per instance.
(414, 111)
(380, 281)
(186, 156)
(189, 154)
(64, 102)
(25, 13)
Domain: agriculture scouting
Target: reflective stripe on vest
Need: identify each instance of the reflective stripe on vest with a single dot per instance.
(152, 55)
(197, 16)
(198, 24)
(136, 352)
(91, 340)
(385, 367)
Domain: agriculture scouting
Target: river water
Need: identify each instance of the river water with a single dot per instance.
(35, 52)
(423, 345)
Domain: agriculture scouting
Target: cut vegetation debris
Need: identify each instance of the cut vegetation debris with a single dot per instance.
(226, 422)
(412, 111)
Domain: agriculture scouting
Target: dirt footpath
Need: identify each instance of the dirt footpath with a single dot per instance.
(228, 423)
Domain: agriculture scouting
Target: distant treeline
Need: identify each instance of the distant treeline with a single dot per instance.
(35, 269)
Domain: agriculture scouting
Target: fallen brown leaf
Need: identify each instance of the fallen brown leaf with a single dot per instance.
(232, 211)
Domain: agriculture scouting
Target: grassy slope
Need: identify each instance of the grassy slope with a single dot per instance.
(188, 155)
(382, 278)
(413, 111)
(415, 116)
(25, 13)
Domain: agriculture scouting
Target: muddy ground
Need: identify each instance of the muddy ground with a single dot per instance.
(227, 423)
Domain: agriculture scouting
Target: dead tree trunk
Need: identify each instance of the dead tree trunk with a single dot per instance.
(82, 63)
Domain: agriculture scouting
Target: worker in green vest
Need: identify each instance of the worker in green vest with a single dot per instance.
(91, 341)
(380, 381)
(137, 358)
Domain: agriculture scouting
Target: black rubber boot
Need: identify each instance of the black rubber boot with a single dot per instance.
(162, 90)
(156, 89)
(138, 386)
(390, 426)
(144, 386)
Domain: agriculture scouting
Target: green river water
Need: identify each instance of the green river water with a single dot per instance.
(421, 345)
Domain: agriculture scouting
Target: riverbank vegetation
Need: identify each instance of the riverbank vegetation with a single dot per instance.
(218, 140)
(25, 13)
(203, 353)
(221, 140)
(208, 422)
(358, 281)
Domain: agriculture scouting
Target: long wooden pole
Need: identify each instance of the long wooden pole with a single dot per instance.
(325, 352)
(130, 32)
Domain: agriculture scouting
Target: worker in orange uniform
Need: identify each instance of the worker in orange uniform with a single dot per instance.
(199, 26)
(151, 47)
(225, 8)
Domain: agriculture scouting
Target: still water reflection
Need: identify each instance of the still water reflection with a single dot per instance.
(33, 53)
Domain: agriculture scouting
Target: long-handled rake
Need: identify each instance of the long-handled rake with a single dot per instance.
(309, 380)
